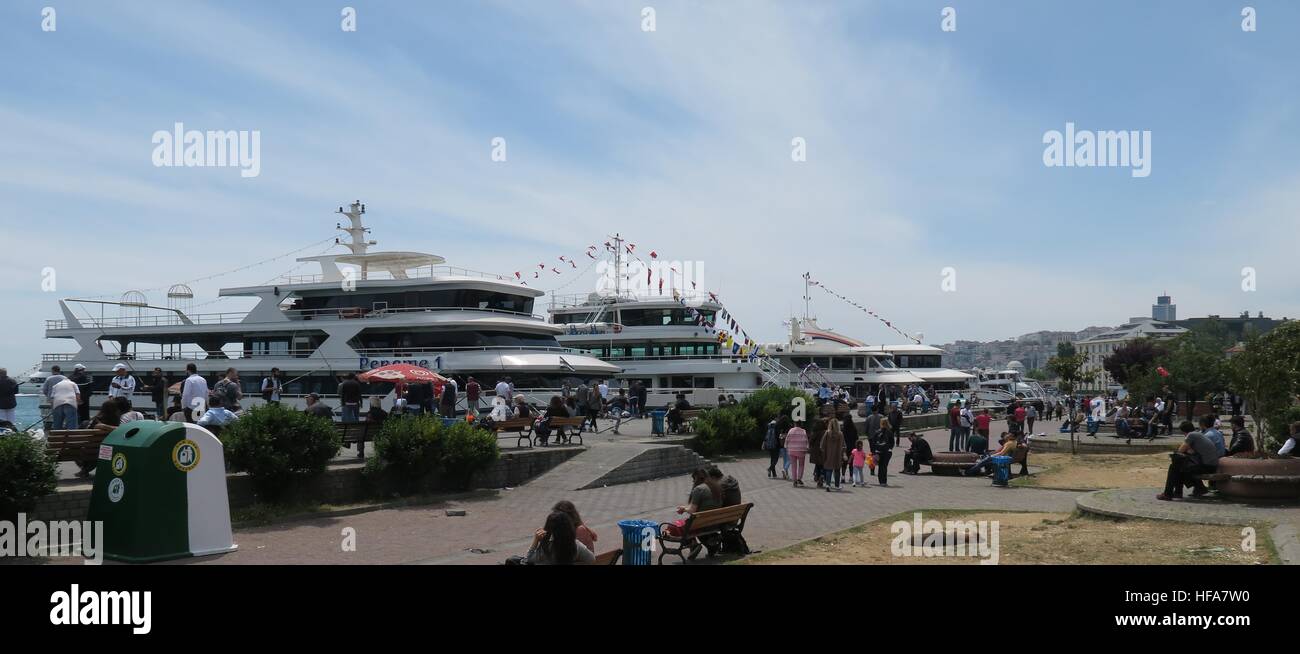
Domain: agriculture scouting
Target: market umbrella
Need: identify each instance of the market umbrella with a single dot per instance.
(402, 373)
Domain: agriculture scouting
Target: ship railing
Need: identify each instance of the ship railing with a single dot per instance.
(729, 358)
(422, 272)
(349, 313)
(300, 353)
(164, 320)
(569, 300)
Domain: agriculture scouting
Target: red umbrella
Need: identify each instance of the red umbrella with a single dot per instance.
(401, 372)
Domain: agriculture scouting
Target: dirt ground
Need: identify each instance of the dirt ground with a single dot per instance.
(1035, 538)
(1096, 471)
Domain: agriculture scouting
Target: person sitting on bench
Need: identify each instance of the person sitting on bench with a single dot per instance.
(706, 495)
(1242, 441)
(1288, 448)
(555, 409)
(984, 465)
(919, 453)
(1196, 456)
(977, 443)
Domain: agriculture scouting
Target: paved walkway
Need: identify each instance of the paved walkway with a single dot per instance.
(500, 523)
(1142, 503)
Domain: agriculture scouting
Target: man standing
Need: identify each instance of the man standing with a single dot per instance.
(56, 376)
(8, 398)
(1031, 414)
(873, 424)
(194, 394)
(982, 422)
(503, 390)
(83, 381)
(1196, 456)
(157, 388)
(65, 397)
(604, 392)
(955, 441)
(123, 383)
(642, 394)
(472, 390)
(350, 398)
(272, 386)
(895, 420)
(594, 405)
(228, 389)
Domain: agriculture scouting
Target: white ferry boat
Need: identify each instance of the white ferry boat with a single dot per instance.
(363, 310)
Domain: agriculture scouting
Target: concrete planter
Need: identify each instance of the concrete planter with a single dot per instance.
(1260, 478)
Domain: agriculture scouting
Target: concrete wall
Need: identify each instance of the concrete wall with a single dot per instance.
(341, 483)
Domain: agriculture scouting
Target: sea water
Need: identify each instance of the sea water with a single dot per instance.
(28, 412)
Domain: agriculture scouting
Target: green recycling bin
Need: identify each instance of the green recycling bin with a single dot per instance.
(160, 490)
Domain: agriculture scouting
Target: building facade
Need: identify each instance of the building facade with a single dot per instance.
(1097, 348)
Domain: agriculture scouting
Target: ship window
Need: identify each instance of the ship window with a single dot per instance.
(801, 362)
(841, 363)
(822, 362)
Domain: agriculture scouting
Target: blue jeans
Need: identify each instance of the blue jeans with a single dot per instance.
(65, 417)
(351, 413)
(785, 459)
(857, 476)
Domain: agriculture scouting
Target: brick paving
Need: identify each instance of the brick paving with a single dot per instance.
(501, 522)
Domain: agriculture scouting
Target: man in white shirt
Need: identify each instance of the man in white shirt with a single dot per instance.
(123, 383)
(604, 391)
(194, 393)
(64, 398)
(503, 391)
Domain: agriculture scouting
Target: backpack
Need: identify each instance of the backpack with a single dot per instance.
(769, 441)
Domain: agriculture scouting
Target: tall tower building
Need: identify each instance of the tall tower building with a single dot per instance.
(1164, 309)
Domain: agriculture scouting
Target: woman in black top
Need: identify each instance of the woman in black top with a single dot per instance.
(850, 431)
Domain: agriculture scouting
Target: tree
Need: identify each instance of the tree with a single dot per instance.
(1067, 365)
(1195, 363)
(1267, 374)
(1132, 360)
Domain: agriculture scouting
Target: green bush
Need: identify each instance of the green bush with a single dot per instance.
(27, 473)
(726, 429)
(408, 449)
(466, 450)
(767, 403)
(276, 445)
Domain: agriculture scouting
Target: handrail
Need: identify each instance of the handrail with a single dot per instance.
(421, 272)
(389, 352)
(342, 313)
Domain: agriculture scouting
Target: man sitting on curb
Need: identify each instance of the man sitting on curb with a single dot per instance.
(986, 461)
(917, 454)
(1197, 455)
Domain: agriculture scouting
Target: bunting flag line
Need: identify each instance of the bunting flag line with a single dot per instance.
(873, 314)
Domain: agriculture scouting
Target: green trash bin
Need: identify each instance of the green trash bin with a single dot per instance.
(160, 490)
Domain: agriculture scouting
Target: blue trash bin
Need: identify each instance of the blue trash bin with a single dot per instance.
(1001, 470)
(638, 541)
(657, 422)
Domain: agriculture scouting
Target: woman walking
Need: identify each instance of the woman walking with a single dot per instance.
(850, 431)
(796, 446)
(772, 443)
(883, 448)
(815, 450)
(832, 453)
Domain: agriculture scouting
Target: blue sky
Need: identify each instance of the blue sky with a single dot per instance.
(924, 150)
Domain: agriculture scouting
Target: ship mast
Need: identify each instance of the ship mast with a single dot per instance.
(357, 232)
(618, 264)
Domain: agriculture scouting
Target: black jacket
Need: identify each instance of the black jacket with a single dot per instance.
(8, 392)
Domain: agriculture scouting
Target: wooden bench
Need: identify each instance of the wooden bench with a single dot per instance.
(80, 445)
(358, 432)
(715, 522)
(521, 426)
(564, 429)
(609, 558)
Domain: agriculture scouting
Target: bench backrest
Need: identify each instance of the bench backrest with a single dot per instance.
(692, 413)
(608, 558)
(718, 517)
(514, 423)
(74, 444)
(567, 422)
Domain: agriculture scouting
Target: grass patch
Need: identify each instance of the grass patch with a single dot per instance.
(1040, 538)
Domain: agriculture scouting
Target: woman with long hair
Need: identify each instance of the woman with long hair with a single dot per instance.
(557, 543)
(832, 453)
(584, 534)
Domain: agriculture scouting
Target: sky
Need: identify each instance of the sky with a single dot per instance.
(923, 193)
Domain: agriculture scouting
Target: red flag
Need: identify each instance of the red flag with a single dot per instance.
(517, 275)
(654, 255)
